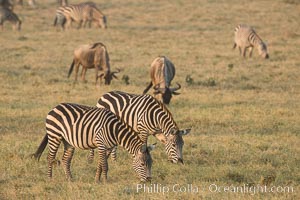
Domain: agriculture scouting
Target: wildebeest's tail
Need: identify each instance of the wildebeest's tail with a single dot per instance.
(41, 148)
(71, 68)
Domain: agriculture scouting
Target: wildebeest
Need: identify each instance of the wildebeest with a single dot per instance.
(93, 56)
(162, 73)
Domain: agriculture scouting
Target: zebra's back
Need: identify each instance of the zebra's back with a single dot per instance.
(77, 124)
(246, 37)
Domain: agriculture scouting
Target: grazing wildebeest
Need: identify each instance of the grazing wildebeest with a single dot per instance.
(93, 56)
(162, 73)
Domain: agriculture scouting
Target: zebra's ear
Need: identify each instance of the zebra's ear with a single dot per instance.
(151, 147)
(185, 131)
(143, 148)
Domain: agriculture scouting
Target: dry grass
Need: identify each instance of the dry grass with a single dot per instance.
(244, 113)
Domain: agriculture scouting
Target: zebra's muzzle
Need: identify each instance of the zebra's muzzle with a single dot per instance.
(148, 179)
(180, 161)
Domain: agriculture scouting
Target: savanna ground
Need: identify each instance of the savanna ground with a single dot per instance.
(244, 113)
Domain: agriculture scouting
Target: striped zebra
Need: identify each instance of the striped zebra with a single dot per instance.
(147, 116)
(88, 128)
(81, 13)
(245, 37)
(8, 15)
(7, 4)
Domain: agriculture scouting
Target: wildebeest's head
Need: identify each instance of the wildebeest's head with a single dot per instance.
(166, 92)
(108, 76)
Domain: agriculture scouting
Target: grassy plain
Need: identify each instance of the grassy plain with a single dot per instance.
(244, 113)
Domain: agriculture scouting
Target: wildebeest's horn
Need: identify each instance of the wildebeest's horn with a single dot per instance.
(176, 88)
(115, 72)
(118, 70)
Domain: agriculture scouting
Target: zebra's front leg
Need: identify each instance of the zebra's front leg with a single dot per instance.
(244, 52)
(250, 51)
(66, 160)
(102, 165)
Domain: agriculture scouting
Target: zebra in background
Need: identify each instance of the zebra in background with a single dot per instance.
(6, 4)
(62, 2)
(246, 37)
(8, 15)
(81, 13)
(88, 128)
(147, 116)
(31, 3)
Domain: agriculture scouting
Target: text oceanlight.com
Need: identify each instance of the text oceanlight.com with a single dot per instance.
(213, 188)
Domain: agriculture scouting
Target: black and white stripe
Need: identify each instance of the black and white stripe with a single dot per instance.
(8, 15)
(84, 127)
(245, 37)
(147, 116)
(81, 13)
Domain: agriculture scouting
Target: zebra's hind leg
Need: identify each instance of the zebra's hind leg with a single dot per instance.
(53, 147)
(102, 165)
(66, 160)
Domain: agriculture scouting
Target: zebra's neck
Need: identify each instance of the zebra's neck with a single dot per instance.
(254, 39)
(128, 139)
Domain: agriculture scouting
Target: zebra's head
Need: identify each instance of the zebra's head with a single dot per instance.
(103, 22)
(142, 162)
(174, 144)
(262, 50)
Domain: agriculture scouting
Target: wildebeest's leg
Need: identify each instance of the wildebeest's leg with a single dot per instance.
(148, 87)
(67, 157)
(83, 72)
(96, 74)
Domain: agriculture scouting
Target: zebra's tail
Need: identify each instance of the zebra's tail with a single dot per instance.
(41, 148)
(55, 21)
(234, 46)
(71, 68)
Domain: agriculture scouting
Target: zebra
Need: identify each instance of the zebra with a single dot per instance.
(8, 15)
(246, 37)
(82, 13)
(60, 18)
(7, 4)
(87, 127)
(147, 116)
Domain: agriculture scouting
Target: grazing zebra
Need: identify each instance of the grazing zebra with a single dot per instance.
(88, 128)
(8, 15)
(245, 37)
(81, 13)
(147, 116)
(62, 2)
